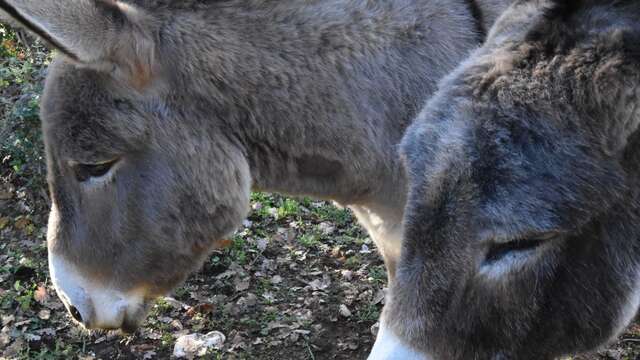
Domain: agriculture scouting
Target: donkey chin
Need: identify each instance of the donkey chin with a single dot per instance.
(106, 308)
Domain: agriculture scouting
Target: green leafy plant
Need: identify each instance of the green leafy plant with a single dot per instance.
(309, 240)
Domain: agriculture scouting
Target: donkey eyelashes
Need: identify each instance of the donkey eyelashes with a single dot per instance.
(85, 172)
(501, 251)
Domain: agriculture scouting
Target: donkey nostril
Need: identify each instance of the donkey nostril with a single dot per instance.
(75, 313)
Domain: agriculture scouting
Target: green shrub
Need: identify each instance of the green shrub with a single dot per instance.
(22, 71)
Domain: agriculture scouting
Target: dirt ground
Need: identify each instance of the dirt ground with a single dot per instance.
(300, 280)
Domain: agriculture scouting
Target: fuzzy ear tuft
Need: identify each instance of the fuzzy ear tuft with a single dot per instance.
(106, 35)
(616, 86)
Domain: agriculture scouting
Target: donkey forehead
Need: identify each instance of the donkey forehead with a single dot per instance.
(86, 113)
(524, 176)
(526, 179)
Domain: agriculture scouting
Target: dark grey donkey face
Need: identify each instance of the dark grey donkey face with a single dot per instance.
(138, 199)
(524, 214)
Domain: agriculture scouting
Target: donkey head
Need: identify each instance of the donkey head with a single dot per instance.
(141, 191)
(524, 214)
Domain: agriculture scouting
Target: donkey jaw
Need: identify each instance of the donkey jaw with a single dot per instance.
(94, 306)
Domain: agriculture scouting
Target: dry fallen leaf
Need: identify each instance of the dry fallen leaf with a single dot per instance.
(22, 222)
(204, 308)
(23, 322)
(152, 335)
(5, 195)
(46, 332)
(175, 304)
(262, 244)
(242, 285)
(41, 295)
(176, 324)
(5, 339)
(142, 348)
(320, 284)
(326, 228)
(380, 296)
(32, 337)
(15, 348)
(223, 244)
(4, 221)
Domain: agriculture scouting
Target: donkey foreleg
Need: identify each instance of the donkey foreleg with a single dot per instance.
(385, 228)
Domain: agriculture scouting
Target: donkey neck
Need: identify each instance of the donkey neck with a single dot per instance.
(318, 96)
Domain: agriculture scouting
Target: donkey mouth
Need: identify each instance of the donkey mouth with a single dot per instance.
(132, 321)
(130, 326)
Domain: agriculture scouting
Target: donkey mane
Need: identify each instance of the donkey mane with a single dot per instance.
(566, 22)
(567, 50)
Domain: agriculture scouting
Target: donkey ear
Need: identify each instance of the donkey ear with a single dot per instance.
(105, 35)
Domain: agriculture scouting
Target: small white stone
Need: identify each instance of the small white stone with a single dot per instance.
(347, 275)
(44, 314)
(262, 244)
(344, 311)
(375, 328)
(192, 345)
(6, 320)
(365, 249)
(326, 228)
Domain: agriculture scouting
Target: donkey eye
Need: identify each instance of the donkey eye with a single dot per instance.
(501, 250)
(84, 172)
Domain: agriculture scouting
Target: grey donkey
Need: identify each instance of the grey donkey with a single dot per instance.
(160, 116)
(523, 218)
